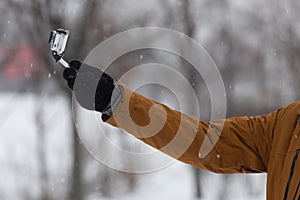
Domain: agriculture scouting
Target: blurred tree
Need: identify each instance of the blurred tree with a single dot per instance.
(248, 45)
(189, 28)
(35, 19)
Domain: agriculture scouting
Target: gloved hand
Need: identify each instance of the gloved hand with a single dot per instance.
(93, 88)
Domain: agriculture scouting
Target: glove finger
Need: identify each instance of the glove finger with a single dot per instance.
(69, 73)
(75, 64)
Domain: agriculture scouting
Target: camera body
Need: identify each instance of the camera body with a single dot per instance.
(58, 41)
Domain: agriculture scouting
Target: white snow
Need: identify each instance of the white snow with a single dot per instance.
(19, 172)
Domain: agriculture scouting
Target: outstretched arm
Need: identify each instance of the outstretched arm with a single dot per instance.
(234, 145)
(243, 145)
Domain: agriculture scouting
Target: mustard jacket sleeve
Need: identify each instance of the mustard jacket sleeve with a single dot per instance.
(243, 145)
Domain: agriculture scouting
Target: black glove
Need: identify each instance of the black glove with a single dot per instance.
(93, 88)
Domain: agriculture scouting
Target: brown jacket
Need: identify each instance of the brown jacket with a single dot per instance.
(269, 143)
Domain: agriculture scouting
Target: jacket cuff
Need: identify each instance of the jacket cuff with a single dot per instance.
(121, 96)
(116, 97)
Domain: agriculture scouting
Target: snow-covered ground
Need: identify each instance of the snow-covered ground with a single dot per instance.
(20, 145)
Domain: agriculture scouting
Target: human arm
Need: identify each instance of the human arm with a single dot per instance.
(243, 145)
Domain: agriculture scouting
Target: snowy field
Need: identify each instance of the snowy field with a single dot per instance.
(20, 148)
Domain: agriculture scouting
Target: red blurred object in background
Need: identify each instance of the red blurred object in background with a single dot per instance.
(22, 62)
